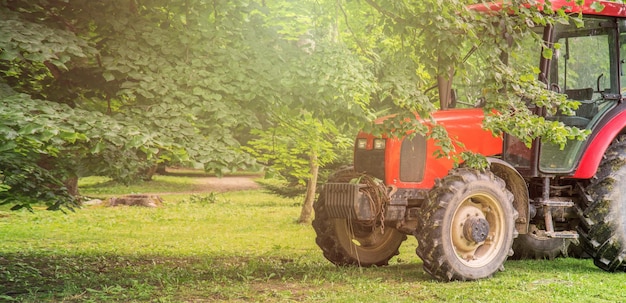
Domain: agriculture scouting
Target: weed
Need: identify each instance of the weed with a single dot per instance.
(200, 199)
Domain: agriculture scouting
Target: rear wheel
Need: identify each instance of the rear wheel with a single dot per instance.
(536, 245)
(603, 226)
(467, 227)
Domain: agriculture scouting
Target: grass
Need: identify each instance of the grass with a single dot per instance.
(240, 247)
(103, 186)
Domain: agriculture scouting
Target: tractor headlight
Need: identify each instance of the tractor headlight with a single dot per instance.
(361, 143)
(379, 143)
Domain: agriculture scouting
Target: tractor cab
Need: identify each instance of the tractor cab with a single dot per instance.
(585, 66)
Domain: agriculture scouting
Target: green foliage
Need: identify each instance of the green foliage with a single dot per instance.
(326, 92)
(520, 121)
(31, 51)
(185, 81)
(209, 198)
(27, 143)
(431, 45)
(180, 82)
(174, 82)
(281, 187)
(67, 136)
(24, 183)
(287, 147)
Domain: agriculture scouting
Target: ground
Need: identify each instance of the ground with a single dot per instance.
(206, 183)
(228, 183)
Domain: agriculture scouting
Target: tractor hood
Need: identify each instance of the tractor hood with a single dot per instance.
(396, 159)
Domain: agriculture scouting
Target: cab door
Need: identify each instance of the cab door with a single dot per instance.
(585, 67)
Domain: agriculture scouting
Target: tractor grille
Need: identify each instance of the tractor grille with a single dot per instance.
(371, 162)
(413, 159)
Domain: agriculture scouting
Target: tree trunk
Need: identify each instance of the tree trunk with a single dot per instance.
(148, 173)
(161, 169)
(306, 215)
(71, 184)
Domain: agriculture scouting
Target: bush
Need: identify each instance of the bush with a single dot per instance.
(25, 183)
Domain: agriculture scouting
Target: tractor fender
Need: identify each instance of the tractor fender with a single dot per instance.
(592, 156)
(517, 185)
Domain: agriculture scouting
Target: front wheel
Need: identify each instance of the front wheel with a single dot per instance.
(345, 242)
(467, 226)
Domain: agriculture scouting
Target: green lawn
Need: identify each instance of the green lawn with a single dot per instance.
(240, 247)
(102, 186)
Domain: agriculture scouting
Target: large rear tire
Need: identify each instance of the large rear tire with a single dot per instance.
(350, 243)
(603, 226)
(467, 226)
(536, 245)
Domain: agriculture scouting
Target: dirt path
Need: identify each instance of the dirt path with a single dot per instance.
(229, 183)
(204, 183)
(215, 184)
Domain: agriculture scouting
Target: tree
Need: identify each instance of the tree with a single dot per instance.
(163, 81)
(299, 146)
(324, 100)
(185, 81)
(171, 81)
(409, 56)
(431, 46)
(34, 133)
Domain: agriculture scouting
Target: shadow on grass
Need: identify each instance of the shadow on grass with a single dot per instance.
(40, 275)
(20, 273)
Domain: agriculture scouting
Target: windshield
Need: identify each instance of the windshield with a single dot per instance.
(581, 65)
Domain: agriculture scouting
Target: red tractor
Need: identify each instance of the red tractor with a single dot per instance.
(530, 202)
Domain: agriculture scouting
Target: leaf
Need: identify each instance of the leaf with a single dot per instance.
(69, 136)
(47, 135)
(7, 146)
(8, 54)
(108, 76)
(547, 53)
(597, 6)
(99, 147)
(136, 141)
(198, 91)
(31, 129)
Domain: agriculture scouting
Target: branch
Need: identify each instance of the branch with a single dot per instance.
(385, 12)
(356, 39)
(54, 70)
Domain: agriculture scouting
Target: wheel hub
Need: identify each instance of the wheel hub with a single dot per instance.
(473, 230)
(476, 229)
